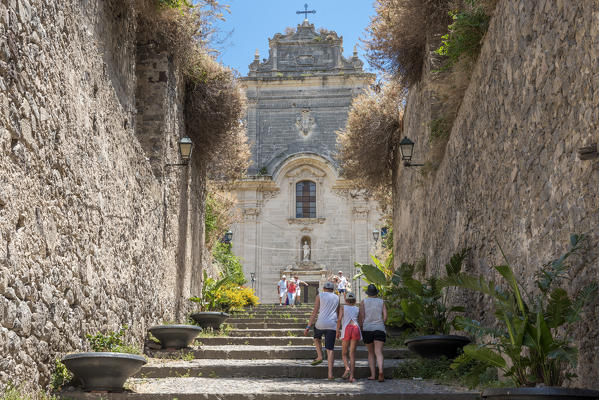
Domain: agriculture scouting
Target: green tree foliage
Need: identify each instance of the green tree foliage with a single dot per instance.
(229, 263)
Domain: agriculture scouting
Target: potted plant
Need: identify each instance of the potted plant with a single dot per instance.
(211, 314)
(425, 306)
(532, 342)
(175, 336)
(108, 366)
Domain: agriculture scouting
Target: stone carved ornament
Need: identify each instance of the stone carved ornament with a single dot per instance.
(305, 123)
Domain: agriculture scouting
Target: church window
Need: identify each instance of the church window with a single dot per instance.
(305, 199)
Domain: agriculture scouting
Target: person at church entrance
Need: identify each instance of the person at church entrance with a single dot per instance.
(372, 318)
(298, 290)
(349, 331)
(291, 291)
(342, 284)
(282, 290)
(326, 307)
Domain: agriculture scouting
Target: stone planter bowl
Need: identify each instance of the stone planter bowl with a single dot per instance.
(209, 319)
(435, 346)
(175, 336)
(103, 371)
(540, 393)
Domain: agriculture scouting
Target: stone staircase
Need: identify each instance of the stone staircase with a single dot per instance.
(264, 357)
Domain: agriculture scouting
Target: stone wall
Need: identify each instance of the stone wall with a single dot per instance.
(511, 172)
(94, 231)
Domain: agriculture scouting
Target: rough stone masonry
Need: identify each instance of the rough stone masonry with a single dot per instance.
(94, 231)
(511, 171)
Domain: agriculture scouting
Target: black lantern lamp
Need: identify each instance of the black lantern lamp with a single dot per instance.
(375, 235)
(228, 236)
(406, 146)
(185, 149)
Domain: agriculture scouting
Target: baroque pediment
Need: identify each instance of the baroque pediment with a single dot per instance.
(306, 171)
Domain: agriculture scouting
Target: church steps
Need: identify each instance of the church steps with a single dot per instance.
(274, 314)
(274, 368)
(258, 341)
(266, 332)
(248, 352)
(205, 388)
(231, 321)
(267, 325)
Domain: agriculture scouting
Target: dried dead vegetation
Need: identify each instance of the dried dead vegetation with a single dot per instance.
(214, 101)
(398, 35)
(405, 34)
(367, 146)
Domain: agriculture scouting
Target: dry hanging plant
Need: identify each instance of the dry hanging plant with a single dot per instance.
(368, 142)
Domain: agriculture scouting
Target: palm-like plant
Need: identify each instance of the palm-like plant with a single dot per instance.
(534, 331)
(208, 300)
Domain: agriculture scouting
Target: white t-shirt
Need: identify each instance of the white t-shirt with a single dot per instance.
(282, 286)
(342, 283)
(327, 315)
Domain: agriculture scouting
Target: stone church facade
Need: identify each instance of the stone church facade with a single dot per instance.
(300, 216)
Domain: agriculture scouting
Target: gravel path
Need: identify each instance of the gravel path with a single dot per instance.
(257, 386)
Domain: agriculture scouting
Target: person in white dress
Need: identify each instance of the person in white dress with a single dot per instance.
(326, 306)
(282, 290)
(372, 318)
(349, 332)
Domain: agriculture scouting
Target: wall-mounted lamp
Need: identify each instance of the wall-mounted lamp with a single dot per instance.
(406, 146)
(228, 236)
(375, 235)
(185, 149)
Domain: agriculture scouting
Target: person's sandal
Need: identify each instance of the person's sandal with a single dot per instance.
(345, 375)
(381, 377)
(316, 362)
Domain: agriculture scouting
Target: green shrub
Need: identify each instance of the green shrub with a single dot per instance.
(229, 263)
(61, 375)
(178, 4)
(440, 370)
(12, 392)
(112, 342)
(465, 34)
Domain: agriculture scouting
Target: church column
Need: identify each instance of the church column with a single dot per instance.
(361, 243)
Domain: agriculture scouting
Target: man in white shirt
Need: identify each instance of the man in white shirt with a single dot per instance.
(282, 289)
(342, 284)
(326, 308)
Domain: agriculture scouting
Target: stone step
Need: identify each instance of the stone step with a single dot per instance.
(281, 314)
(265, 332)
(277, 307)
(245, 352)
(267, 325)
(278, 389)
(231, 321)
(257, 341)
(253, 368)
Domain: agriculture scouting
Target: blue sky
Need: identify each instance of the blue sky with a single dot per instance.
(252, 22)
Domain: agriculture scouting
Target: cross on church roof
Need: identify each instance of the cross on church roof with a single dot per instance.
(306, 12)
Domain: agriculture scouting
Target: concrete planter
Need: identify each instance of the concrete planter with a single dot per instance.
(175, 336)
(540, 393)
(210, 319)
(435, 346)
(103, 371)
